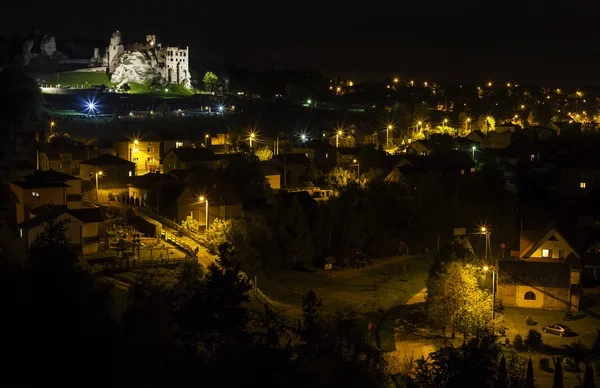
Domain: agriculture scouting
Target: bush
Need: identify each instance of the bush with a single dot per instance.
(518, 343)
(506, 342)
(534, 340)
(530, 321)
(544, 364)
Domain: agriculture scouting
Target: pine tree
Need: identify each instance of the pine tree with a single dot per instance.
(502, 381)
(558, 375)
(529, 380)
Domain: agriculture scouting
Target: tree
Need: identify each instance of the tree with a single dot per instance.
(541, 115)
(20, 100)
(454, 299)
(210, 82)
(164, 110)
(219, 233)
(339, 178)
(502, 381)
(558, 374)
(310, 327)
(529, 383)
(263, 153)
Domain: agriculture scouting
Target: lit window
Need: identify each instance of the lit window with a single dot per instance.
(21, 233)
(130, 173)
(582, 185)
(136, 159)
(150, 149)
(529, 295)
(35, 194)
(545, 252)
(178, 144)
(327, 155)
(151, 159)
(58, 166)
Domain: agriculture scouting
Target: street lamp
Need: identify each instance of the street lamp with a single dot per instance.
(337, 137)
(206, 137)
(200, 200)
(473, 149)
(52, 124)
(468, 123)
(387, 135)
(445, 122)
(355, 161)
(98, 173)
(251, 138)
(486, 269)
(308, 102)
(419, 125)
(488, 248)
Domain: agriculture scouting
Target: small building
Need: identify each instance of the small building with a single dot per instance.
(272, 175)
(293, 167)
(420, 147)
(42, 188)
(144, 151)
(541, 285)
(223, 202)
(112, 167)
(82, 226)
(477, 136)
(187, 158)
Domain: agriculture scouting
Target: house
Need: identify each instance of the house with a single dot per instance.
(420, 147)
(272, 175)
(81, 226)
(498, 139)
(344, 139)
(363, 133)
(541, 285)
(293, 168)
(173, 140)
(346, 156)
(477, 136)
(111, 167)
(144, 151)
(42, 188)
(64, 158)
(551, 271)
(187, 157)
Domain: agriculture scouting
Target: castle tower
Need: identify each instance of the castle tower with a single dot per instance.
(177, 68)
(114, 51)
(151, 40)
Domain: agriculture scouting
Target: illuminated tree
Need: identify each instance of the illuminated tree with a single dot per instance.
(210, 82)
(339, 178)
(264, 153)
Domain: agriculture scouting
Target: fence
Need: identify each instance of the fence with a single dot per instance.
(115, 266)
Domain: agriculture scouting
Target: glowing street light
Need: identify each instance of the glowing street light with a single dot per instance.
(251, 138)
(355, 161)
(338, 89)
(98, 173)
(389, 128)
(473, 149)
(489, 84)
(445, 123)
(200, 200)
(522, 106)
(220, 108)
(206, 137)
(303, 137)
(52, 124)
(308, 102)
(337, 137)
(396, 80)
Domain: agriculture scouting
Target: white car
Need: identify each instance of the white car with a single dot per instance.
(559, 329)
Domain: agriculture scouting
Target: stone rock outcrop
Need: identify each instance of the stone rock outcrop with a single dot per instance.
(48, 46)
(135, 67)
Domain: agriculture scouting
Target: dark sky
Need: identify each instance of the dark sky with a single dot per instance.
(522, 42)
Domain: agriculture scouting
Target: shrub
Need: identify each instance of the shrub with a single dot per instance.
(518, 343)
(506, 342)
(530, 321)
(544, 364)
(533, 340)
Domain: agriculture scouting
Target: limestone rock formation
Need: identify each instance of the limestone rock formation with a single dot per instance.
(136, 67)
(48, 46)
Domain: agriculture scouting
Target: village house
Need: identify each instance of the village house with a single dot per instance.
(187, 158)
(110, 166)
(42, 188)
(293, 167)
(272, 175)
(144, 151)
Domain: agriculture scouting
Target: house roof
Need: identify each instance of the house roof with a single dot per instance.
(267, 168)
(107, 160)
(46, 213)
(190, 154)
(31, 184)
(535, 274)
(536, 242)
(45, 179)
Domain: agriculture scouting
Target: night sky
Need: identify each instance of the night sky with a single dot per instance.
(540, 43)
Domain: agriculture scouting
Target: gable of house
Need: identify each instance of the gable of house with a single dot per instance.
(551, 246)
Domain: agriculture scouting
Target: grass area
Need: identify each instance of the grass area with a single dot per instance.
(73, 78)
(370, 291)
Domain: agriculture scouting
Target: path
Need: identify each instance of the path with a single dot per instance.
(204, 257)
(414, 343)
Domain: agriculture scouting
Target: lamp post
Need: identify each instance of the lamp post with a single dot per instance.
(252, 136)
(206, 137)
(486, 269)
(52, 124)
(488, 252)
(468, 123)
(204, 199)
(98, 173)
(355, 161)
(445, 122)
(473, 149)
(387, 135)
(337, 138)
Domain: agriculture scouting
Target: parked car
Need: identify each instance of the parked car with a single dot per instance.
(559, 329)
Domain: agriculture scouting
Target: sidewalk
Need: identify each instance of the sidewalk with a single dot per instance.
(204, 257)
